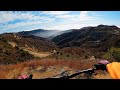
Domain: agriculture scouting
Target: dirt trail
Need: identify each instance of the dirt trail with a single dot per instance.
(13, 44)
(33, 52)
(38, 54)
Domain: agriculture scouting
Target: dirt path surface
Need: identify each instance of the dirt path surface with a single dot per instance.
(38, 54)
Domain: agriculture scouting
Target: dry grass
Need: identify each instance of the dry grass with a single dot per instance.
(34, 67)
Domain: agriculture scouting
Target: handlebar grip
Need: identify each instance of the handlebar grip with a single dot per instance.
(100, 66)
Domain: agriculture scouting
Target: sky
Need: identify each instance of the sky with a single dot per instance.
(15, 21)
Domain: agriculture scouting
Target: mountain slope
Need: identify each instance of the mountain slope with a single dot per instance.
(88, 41)
(30, 41)
(10, 54)
(99, 36)
(14, 47)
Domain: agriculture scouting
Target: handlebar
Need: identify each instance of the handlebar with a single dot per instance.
(65, 75)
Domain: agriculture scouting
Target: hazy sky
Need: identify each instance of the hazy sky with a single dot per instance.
(14, 21)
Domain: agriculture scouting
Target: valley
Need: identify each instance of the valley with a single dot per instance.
(46, 53)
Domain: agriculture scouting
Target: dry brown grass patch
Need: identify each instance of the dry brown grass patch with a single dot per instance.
(31, 67)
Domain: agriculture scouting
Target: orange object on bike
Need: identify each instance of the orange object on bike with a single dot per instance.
(114, 70)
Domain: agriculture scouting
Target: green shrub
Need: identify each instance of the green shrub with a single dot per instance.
(113, 54)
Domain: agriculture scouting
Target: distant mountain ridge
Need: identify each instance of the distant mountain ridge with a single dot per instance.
(40, 33)
(49, 34)
(59, 33)
(99, 36)
(88, 42)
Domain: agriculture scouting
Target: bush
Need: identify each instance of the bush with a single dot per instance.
(86, 57)
(113, 54)
(17, 48)
(22, 52)
(7, 52)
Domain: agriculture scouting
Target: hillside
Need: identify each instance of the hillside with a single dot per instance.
(16, 48)
(92, 40)
(29, 41)
(10, 54)
(91, 35)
